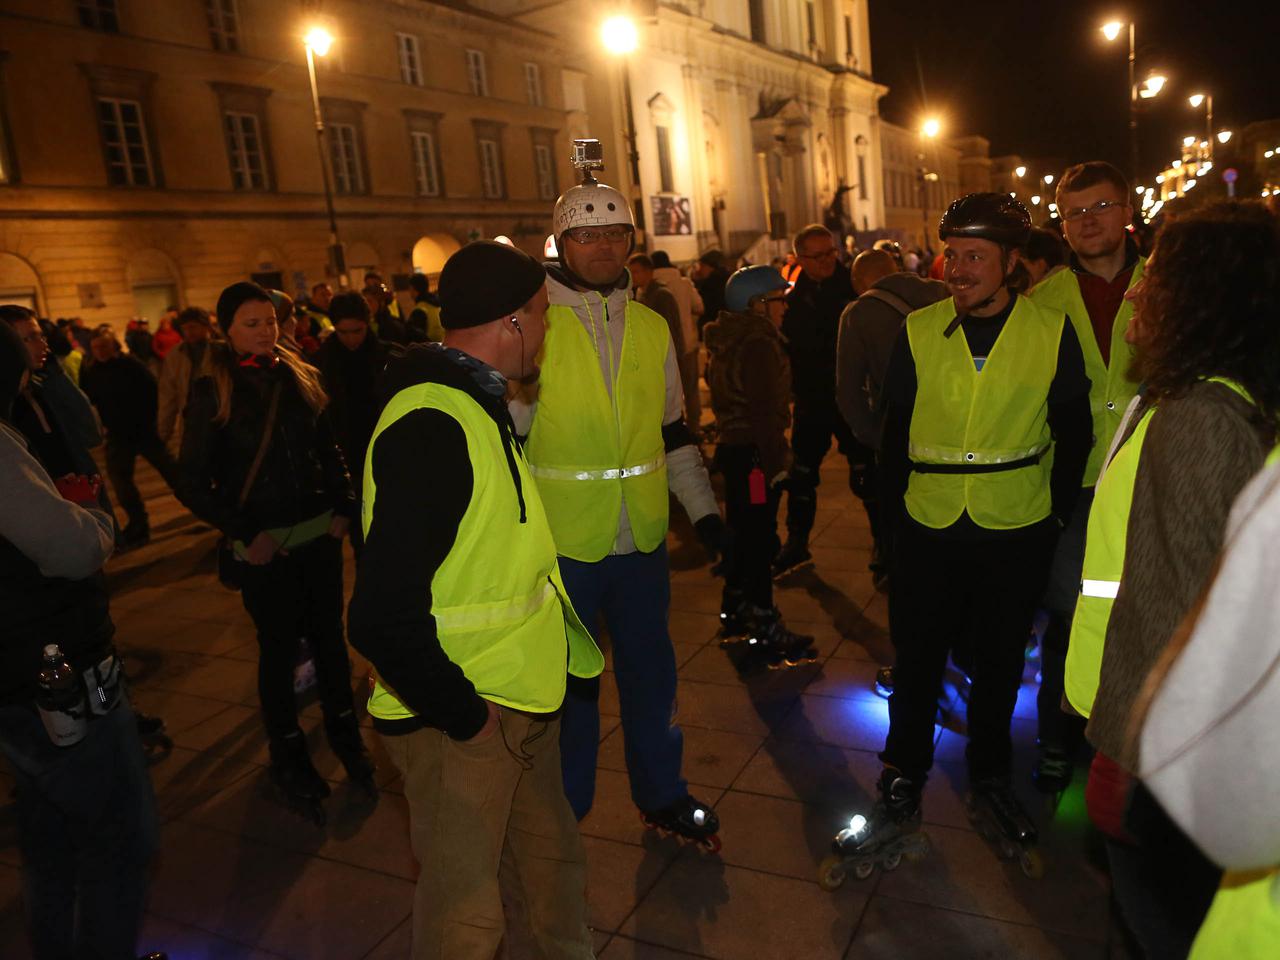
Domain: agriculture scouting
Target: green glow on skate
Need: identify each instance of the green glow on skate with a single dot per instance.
(1072, 809)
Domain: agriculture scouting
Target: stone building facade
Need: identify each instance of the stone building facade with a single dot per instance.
(151, 153)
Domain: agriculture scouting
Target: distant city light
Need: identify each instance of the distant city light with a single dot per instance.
(1035, 201)
(1048, 179)
(931, 127)
(1224, 136)
(1112, 30)
(1188, 141)
(503, 238)
(1196, 99)
(1019, 172)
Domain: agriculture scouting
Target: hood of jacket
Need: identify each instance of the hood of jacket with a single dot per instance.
(431, 363)
(918, 292)
(565, 289)
(730, 329)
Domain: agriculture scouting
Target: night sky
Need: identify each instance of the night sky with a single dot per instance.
(1039, 79)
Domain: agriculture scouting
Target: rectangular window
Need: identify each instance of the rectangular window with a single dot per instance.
(244, 147)
(124, 138)
(533, 84)
(476, 73)
(344, 155)
(410, 59)
(99, 15)
(664, 160)
(810, 15)
(491, 168)
(426, 167)
(545, 166)
(862, 178)
(848, 38)
(757, 20)
(223, 28)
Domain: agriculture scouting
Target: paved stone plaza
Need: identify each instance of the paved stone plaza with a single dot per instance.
(785, 757)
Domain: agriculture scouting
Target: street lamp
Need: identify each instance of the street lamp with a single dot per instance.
(1224, 136)
(620, 38)
(1150, 89)
(929, 130)
(1019, 172)
(317, 43)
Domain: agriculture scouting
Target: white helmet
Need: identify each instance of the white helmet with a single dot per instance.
(590, 204)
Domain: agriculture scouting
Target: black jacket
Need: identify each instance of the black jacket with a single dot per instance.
(422, 470)
(126, 395)
(812, 327)
(303, 473)
(351, 380)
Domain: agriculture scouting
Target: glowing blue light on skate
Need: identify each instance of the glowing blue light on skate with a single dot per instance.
(857, 824)
(699, 817)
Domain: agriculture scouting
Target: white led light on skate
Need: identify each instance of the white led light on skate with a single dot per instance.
(699, 817)
(857, 823)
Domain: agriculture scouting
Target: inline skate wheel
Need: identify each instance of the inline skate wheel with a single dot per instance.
(1032, 864)
(864, 869)
(891, 862)
(831, 875)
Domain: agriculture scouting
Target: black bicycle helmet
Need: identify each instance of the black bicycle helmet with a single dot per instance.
(997, 217)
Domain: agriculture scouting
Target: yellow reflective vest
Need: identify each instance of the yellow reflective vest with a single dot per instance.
(501, 610)
(1110, 387)
(591, 448)
(1243, 922)
(978, 439)
(1104, 550)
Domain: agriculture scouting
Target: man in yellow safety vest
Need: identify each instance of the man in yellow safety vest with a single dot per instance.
(460, 607)
(607, 445)
(986, 435)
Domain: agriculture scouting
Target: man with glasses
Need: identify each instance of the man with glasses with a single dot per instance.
(607, 444)
(811, 328)
(1093, 201)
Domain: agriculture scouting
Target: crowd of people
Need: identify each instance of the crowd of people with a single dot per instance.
(1042, 428)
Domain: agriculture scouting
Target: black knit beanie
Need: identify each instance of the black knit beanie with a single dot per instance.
(484, 281)
(236, 296)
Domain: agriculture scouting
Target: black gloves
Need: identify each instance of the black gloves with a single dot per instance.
(711, 534)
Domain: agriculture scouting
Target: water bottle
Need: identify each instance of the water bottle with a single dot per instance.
(61, 699)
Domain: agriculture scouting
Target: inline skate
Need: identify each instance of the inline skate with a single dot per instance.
(1000, 820)
(689, 820)
(776, 646)
(295, 779)
(1053, 770)
(891, 832)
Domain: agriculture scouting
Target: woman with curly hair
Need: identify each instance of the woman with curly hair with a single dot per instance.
(261, 463)
(1206, 331)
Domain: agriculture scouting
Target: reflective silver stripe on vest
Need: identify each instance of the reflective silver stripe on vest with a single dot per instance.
(617, 473)
(483, 617)
(1106, 589)
(922, 454)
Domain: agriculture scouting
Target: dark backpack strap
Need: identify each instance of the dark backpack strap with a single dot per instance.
(900, 306)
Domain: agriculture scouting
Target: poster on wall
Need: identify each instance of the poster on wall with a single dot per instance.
(671, 216)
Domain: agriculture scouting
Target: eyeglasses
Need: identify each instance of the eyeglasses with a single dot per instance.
(820, 255)
(586, 235)
(1097, 210)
